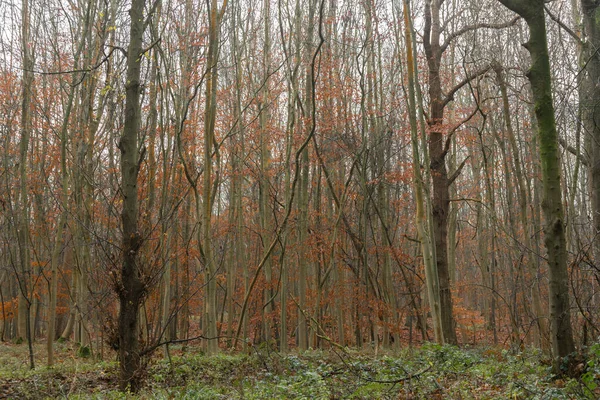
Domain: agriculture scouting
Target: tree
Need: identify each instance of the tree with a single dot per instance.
(131, 289)
(591, 18)
(422, 208)
(24, 276)
(440, 140)
(532, 11)
(209, 143)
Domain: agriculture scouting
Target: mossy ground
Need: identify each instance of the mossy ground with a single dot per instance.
(428, 372)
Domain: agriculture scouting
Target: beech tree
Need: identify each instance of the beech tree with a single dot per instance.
(24, 274)
(131, 289)
(591, 12)
(554, 230)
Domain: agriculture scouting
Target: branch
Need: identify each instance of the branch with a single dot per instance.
(562, 25)
(141, 157)
(156, 345)
(114, 47)
(402, 379)
(223, 7)
(151, 13)
(582, 158)
(83, 70)
(427, 30)
(466, 80)
(318, 326)
(455, 128)
(157, 41)
(476, 26)
(456, 173)
(518, 6)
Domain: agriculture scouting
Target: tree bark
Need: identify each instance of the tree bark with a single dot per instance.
(439, 171)
(131, 289)
(207, 198)
(23, 234)
(591, 18)
(431, 273)
(554, 231)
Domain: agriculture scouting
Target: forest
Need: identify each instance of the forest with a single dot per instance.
(398, 193)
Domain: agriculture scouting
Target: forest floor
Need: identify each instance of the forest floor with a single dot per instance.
(427, 372)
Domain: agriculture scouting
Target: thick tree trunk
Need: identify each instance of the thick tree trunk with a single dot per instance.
(131, 289)
(554, 230)
(439, 171)
(431, 273)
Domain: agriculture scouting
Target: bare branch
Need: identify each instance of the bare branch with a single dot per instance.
(571, 33)
(147, 49)
(83, 70)
(456, 173)
(473, 27)
(450, 96)
(458, 125)
(151, 13)
(582, 158)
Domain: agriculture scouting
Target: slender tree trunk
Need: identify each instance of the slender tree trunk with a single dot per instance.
(303, 200)
(207, 196)
(58, 241)
(236, 219)
(540, 322)
(25, 285)
(293, 47)
(264, 181)
(23, 230)
(591, 18)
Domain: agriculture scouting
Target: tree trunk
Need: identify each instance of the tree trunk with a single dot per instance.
(131, 289)
(303, 200)
(24, 278)
(431, 273)
(554, 230)
(439, 172)
(264, 181)
(591, 19)
(207, 198)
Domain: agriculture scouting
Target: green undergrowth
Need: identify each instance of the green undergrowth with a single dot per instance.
(428, 372)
